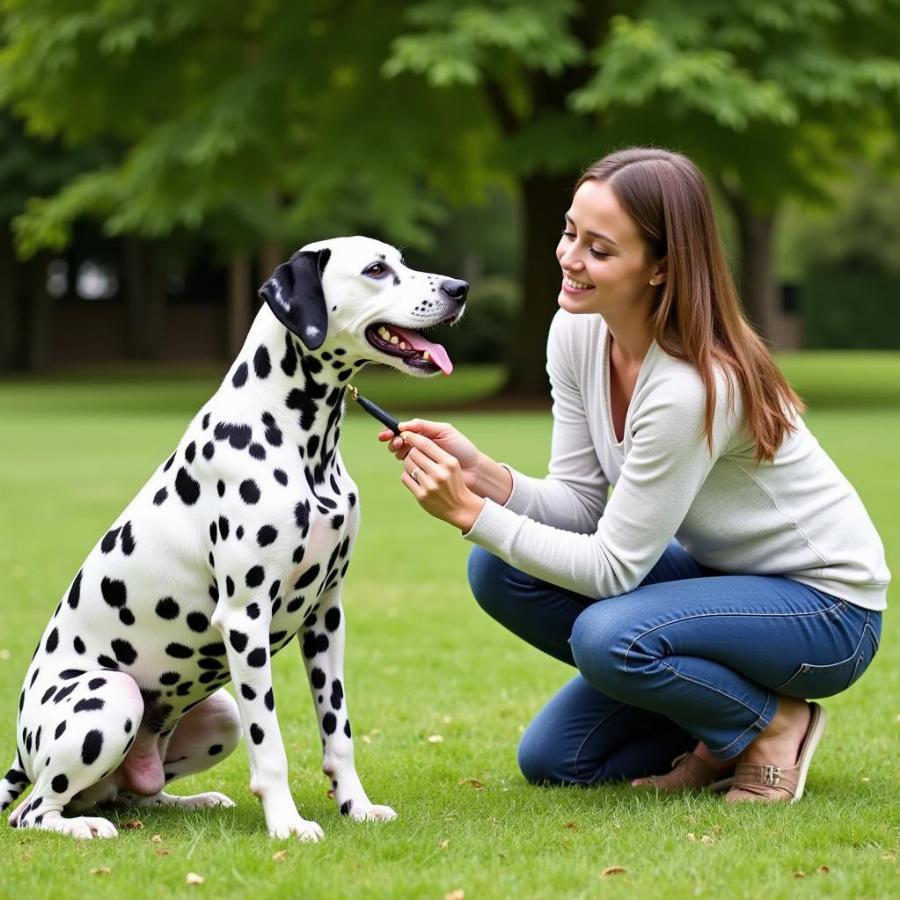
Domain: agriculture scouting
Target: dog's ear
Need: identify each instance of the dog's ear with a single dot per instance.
(294, 293)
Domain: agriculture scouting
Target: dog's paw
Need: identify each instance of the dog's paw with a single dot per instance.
(369, 812)
(296, 826)
(82, 828)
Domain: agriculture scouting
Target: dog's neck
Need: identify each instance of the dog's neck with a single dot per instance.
(304, 389)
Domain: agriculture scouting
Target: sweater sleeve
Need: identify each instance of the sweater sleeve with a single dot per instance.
(573, 494)
(666, 466)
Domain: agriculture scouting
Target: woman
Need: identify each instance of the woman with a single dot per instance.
(705, 649)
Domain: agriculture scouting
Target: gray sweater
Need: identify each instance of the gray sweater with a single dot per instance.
(797, 516)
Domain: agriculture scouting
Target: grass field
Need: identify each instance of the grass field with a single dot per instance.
(423, 661)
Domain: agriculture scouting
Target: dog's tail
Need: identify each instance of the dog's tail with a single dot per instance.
(13, 783)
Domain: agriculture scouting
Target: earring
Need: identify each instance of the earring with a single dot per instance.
(653, 282)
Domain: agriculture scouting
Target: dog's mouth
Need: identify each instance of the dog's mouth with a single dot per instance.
(410, 346)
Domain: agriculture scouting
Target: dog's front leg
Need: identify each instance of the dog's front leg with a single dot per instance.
(322, 646)
(243, 621)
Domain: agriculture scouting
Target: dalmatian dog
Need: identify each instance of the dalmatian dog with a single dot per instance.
(238, 543)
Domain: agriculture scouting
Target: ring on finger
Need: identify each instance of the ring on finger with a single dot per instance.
(415, 475)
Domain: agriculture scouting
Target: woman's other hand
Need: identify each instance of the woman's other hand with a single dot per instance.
(446, 437)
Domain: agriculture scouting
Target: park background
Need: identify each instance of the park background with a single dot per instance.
(158, 160)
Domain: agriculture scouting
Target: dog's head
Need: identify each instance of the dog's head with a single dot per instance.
(356, 295)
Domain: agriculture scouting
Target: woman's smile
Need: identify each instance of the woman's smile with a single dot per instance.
(571, 286)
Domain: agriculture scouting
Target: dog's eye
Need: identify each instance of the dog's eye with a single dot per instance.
(376, 270)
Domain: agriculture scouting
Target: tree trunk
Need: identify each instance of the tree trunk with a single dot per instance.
(144, 300)
(10, 338)
(239, 298)
(544, 201)
(758, 289)
(39, 313)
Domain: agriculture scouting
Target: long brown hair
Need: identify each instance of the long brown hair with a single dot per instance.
(698, 316)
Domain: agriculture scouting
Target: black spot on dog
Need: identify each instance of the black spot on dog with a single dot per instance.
(108, 544)
(262, 364)
(60, 784)
(308, 577)
(75, 591)
(213, 532)
(107, 662)
(169, 462)
(197, 621)
(179, 651)
(247, 692)
(78, 645)
(336, 522)
(337, 694)
(273, 432)
(317, 678)
(257, 657)
(220, 487)
(249, 491)
(257, 451)
(329, 723)
(91, 746)
(281, 477)
(48, 694)
(126, 616)
(238, 640)
(216, 649)
(114, 592)
(239, 532)
(89, 704)
(239, 379)
(276, 637)
(255, 576)
(124, 652)
(160, 497)
(312, 445)
(205, 423)
(186, 487)
(257, 734)
(209, 451)
(333, 618)
(347, 728)
(60, 730)
(229, 585)
(167, 608)
(314, 644)
(252, 611)
(52, 641)
(224, 527)
(69, 674)
(169, 678)
(346, 806)
(190, 451)
(289, 360)
(351, 497)
(274, 588)
(96, 683)
(298, 554)
(266, 535)
(301, 516)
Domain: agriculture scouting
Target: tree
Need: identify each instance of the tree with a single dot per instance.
(261, 121)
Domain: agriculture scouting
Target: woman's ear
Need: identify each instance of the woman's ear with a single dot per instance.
(660, 272)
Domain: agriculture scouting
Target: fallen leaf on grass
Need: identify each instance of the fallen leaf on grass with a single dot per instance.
(612, 870)
(330, 794)
(280, 855)
(193, 878)
(472, 782)
(5, 654)
(889, 856)
(101, 870)
(455, 895)
(823, 870)
(132, 824)
(707, 839)
(444, 844)
(799, 874)
(571, 826)
(436, 739)
(156, 838)
(161, 851)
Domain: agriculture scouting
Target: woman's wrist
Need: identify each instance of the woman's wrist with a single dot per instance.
(492, 481)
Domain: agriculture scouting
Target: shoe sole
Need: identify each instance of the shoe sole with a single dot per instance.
(818, 721)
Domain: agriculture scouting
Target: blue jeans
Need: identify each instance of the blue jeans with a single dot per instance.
(691, 654)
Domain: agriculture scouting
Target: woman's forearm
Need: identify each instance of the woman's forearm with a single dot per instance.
(493, 481)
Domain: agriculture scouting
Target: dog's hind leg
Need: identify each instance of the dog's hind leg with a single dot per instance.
(13, 783)
(204, 737)
(86, 734)
(322, 642)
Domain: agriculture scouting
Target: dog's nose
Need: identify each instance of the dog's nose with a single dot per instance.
(455, 289)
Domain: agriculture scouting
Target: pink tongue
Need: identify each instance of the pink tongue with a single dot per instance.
(438, 354)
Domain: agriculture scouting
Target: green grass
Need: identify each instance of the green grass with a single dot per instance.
(423, 660)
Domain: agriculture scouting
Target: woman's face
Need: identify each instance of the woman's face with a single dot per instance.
(605, 262)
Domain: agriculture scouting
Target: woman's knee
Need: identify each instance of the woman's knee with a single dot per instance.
(539, 759)
(599, 646)
(493, 582)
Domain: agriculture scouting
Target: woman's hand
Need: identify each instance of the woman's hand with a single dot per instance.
(446, 437)
(435, 478)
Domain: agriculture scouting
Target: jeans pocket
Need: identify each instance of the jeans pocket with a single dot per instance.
(810, 681)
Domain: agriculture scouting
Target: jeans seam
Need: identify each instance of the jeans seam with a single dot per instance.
(709, 687)
(750, 727)
(587, 737)
(643, 634)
